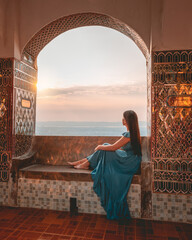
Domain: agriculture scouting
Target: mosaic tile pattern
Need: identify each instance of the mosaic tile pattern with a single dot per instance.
(55, 194)
(172, 207)
(25, 72)
(176, 56)
(24, 117)
(149, 124)
(146, 191)
(6, 97)
(174, 175)
(172, 124)
(52, 30)
(3, 193)
(25, 78)
(5, 164)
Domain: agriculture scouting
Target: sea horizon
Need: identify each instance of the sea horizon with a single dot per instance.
(84, 128)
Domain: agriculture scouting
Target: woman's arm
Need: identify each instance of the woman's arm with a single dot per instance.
(119, 143)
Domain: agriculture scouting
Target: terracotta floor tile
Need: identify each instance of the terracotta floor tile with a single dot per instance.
(29, 235)
(57, 237)
(54, 228)
(41, 224)
(79, 233)
(38, 227)
(15, 234)
(98, 235)
(68, 232)
(46, 236)
(112, 237)
(4, 233)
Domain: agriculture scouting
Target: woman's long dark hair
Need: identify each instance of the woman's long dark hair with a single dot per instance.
(132, 122)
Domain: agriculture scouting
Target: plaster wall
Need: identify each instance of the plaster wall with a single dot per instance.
(171, 24)
(6, 29)
(161, 24)
(28, 17)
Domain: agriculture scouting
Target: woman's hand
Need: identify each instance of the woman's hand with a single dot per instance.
(99, 147)
(113, 147)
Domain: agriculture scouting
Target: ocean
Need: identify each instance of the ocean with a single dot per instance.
(63, 128)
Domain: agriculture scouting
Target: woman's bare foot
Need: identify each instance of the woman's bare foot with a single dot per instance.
(72, 163)
(84, 165)
(77, 162)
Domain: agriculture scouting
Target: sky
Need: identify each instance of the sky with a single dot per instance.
(91, 74)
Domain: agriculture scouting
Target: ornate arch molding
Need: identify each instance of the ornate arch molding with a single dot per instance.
(61, 25)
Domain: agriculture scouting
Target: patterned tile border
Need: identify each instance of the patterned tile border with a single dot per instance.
(52, 30)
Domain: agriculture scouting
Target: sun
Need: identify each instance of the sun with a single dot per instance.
(40, 86)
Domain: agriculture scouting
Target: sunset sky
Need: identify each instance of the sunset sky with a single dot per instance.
(91, 74)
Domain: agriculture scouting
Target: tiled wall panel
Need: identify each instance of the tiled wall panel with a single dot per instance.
(6, 107)
(4, 196)
(172, 122)
(172, 207)
(25, 78)
(52, 194)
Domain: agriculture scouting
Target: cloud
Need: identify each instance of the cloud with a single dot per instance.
(89, 103)
(92, 90)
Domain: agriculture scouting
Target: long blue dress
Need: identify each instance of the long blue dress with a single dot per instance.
(112, 175)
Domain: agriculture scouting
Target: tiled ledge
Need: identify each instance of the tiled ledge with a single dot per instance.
(66, 173)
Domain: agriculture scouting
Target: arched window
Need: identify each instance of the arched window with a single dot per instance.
(87, 77)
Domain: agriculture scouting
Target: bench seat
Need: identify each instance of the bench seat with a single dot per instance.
(61, 172)
(45, 180)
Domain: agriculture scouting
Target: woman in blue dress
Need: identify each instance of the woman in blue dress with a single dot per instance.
(113, 168)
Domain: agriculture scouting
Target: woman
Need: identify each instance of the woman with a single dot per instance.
(113, 168)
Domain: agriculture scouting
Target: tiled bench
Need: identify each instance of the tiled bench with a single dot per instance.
(48, 182)
(66, 173)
